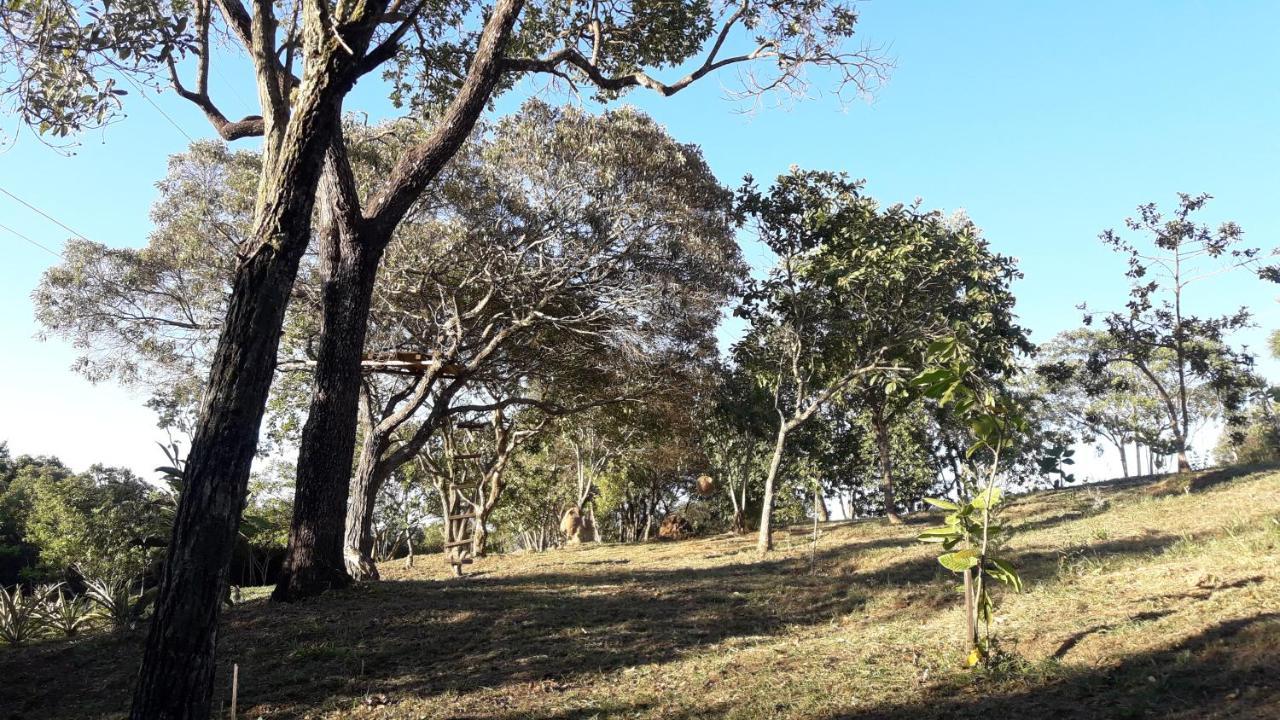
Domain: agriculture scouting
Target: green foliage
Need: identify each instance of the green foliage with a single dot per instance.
(1257, 440)
(65, 613)
(105, 521)
(116, 602)
(971, 535)
(63, 59)
(857, 295)
(20, 614)
(1158, 323)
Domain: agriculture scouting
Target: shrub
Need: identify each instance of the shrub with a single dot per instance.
(19, 615)
(116, 602)
(64, 613)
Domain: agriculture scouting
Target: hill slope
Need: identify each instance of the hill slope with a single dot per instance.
(1142, 600)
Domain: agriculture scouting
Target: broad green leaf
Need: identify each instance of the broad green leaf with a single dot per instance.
(960, 560)
(940, 503)
(1006, 573)
(937, 535)
(988, 498)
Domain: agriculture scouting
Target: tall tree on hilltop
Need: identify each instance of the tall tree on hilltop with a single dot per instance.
(1157, 321)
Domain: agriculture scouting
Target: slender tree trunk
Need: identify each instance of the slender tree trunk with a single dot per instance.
(1124, 459)
(820, 505)
(764, 540)
(314, 561)
(365, 485)
(1183, 422)
(886, 465)
(595, 529)
(480, 536)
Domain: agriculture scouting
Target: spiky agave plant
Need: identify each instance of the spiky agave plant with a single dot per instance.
(19, 615)
(113, 599)
(66, 613)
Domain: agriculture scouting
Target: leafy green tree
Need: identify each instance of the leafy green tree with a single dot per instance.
(1157, 322)
(104, 523)
(554, 285)
(448, 60)
(1113, 402)
(735, 439)
(857, 294)
(18, 555)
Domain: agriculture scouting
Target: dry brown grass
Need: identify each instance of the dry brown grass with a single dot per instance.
(1143, 600)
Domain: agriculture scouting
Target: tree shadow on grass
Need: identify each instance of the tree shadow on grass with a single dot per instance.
(1227, 671)
(417, 639)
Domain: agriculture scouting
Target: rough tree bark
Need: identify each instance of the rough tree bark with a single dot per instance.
(318, 560)
(348, 267)
(176, 677)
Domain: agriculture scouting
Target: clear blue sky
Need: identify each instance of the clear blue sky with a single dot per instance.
(1046, 122)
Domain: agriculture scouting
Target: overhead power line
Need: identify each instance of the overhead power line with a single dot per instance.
(45, 248)
(46, 215)
(142, 91)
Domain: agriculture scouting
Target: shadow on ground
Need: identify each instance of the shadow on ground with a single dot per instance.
(575, 618)
(1227, 671)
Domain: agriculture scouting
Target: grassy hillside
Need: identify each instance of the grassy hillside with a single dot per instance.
(1142, 600)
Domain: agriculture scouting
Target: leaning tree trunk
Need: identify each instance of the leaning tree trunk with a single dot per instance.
(357, 552)
(318, 523)
(176, 678)
(764, 542)
(314, 560)
(820, 505)
(886, 466)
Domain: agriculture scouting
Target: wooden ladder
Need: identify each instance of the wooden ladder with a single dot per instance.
(460, 530)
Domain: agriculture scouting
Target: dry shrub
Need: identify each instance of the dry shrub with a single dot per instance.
(675, 527)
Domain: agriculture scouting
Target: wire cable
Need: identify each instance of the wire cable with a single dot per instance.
(47, 216)
(153, 104)
(45, 248)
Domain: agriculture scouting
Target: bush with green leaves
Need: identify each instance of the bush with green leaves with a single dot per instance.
(116, 602)
(106, 521)
(62, 612)
(20, 615)
(970, 534)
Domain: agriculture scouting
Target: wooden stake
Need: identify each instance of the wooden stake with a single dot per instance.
(970, 614)
(235, 688)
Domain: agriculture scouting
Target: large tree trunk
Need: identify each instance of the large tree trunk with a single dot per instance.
(820, 505)
(1184, 465)
(764, 541)
(176, 677)
(177, 667)
(314, 560)
(886, 465)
